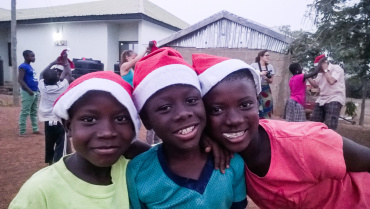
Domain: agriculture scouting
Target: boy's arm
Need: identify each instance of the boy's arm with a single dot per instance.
(67, 73)
(47, 68)
(356, 156)
(136, 148)
(312, 74)
(313, 82)
(21, 74)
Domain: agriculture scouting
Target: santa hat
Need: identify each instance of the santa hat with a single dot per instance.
(161, 68)
(317, 59)
(212, 69)
(59, 60)
(102, 81)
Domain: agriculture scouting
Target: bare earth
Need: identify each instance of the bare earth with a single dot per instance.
(22, 156)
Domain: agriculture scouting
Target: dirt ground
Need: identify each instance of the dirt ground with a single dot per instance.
(20, 157)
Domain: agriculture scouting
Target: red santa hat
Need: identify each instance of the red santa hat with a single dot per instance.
(102, 81)
(317, 59)
(212, 69)
(161, 68)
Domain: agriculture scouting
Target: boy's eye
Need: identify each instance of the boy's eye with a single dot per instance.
(122, 118)
(164, 108)
(192, 100)
(245, 104)
(215, 110)
(89, 119)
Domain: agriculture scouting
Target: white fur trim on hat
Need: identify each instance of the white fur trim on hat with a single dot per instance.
(162, 77)
(65, 102)
(219, 71)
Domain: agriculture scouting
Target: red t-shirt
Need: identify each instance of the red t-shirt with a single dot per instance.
(307, 170)
(298, 89)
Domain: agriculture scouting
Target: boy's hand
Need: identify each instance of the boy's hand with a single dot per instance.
(31, 93)
(221, 156)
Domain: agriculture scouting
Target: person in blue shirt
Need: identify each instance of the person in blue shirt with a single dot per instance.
(29, 93)
(177, 173)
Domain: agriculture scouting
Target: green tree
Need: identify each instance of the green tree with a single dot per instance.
(343, 32)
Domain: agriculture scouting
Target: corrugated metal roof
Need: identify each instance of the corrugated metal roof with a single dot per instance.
(228, 31)
(103, 7)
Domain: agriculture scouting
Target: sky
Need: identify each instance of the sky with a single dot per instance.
(270, 13)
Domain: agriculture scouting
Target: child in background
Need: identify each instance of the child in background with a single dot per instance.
(51, 87)
(294, 108)
(177, 173)
(98, 113)
(288, 165)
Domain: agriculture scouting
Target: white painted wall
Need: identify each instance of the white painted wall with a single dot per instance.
(4, 40)
(112, 46)
(84, 39)
(149, 31)
(128, 31)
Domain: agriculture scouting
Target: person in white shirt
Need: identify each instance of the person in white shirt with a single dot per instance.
(51, 86)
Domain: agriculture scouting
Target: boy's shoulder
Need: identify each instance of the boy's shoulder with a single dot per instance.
(24, 66)
(145, 157)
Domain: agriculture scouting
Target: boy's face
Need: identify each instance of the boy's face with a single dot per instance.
(176, 113)
(101, 128)
(31, 57)
(232, 113)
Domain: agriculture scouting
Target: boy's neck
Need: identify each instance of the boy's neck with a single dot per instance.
(257, 156)
(88, 172)
(27, 62)
(185, 163)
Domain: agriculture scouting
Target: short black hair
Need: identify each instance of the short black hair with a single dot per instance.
(50, 77)
(26, 53)
(238, 75)
(294, 68)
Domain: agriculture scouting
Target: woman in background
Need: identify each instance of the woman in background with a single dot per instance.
(267, 73)
(128, 61)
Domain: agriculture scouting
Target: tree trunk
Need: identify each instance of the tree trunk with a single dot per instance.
(364, 95)
(14, 54)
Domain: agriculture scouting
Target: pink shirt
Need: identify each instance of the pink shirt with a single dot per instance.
(331, 93)
(298, 89)
(307, 170)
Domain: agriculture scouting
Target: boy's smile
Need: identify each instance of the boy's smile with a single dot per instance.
(177, 115)
(232, 113)
(100, 127)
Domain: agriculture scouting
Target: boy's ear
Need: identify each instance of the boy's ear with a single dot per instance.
(145, 120)
(67, 125)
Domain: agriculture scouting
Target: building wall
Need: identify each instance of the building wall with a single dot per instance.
(128, 31)
(281, 62)
(112, 46)
(4, 40)
(149, 31)
(84, 39)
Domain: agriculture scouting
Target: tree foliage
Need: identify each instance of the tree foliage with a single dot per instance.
(342, 31)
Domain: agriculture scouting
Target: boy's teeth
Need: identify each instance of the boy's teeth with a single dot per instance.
(233, 135)
(186, 130)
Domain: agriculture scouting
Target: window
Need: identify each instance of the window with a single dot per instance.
(127, 45)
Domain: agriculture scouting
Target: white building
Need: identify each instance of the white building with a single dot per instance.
(98, 30)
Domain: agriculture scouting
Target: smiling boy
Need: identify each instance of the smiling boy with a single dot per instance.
(177, 174)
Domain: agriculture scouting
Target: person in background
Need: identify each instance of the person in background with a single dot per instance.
(330, 81)
(267, 72)
(29, 93)
(63, 60)
(294, 108)
(51, 87)
(128, 61)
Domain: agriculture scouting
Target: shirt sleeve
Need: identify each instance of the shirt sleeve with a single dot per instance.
(29, 197)
(318, 77)
(323, 152)
(41, 84)
(239, 186)
(337, 72)
(131, 186)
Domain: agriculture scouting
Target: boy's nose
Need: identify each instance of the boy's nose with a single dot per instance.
(107, 129)
(234, 118)
(183, 113)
